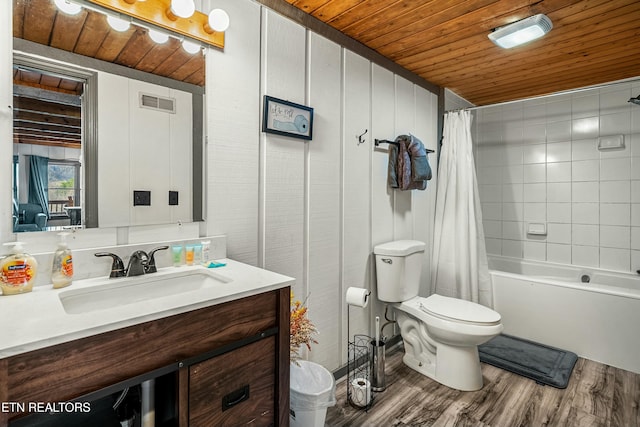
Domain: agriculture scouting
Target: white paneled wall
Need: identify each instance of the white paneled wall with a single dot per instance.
(310, 209)
(538, 162)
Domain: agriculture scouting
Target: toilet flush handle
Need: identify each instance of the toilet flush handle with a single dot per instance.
(387, 260)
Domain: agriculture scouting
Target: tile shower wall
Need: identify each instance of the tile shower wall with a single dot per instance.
(538, 162)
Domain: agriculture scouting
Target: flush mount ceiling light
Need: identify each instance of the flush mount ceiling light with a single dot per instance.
(68, 7)
(181, 9)
(118, 24)
(218, 20)
(521, 32)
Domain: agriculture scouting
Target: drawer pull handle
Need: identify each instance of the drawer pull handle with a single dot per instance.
(235, 397)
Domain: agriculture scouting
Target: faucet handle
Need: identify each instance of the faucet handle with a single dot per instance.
(117, 267)
(151, 264)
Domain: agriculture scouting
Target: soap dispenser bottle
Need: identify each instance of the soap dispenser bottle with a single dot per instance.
(62, 268)
(17, 271)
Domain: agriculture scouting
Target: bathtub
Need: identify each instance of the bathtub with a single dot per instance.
(594, 313)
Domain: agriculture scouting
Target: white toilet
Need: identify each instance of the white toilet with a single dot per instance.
(441, 334)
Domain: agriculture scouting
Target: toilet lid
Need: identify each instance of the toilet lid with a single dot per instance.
(461, 310)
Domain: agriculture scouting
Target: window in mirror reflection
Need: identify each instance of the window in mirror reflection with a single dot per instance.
(47, 136)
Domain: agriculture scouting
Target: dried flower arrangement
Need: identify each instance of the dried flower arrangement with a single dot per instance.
(301, 329)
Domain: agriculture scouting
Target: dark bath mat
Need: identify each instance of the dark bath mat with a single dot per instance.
(542, 363)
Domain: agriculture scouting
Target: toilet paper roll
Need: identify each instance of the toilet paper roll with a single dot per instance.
(358, 297)
(360, 392)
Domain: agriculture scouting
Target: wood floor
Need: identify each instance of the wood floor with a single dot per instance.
(597, 395)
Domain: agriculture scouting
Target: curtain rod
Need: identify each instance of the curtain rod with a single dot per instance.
(565, 92)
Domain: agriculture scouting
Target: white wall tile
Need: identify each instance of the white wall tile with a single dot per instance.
(615, 214)
(614, 100)
(585, 235)
(535, 212)
(490, 193)
(559, 172)
(512, 230)
(512, 193)
(492, 211)
(614, 236)
(534, 173)
(559, 192)
(635, 167)
(615, 259)
(559, 212)
(635, 191)
(535, 250)
(615, 124)
(489, 175)
(585, 170)
(559, 253)
(559, 131)
(512, 174)
(512, 211)
(559, 152)
(492, 229)
(635, 239)
(635, 214)
(512, 248)
(535, 192)
(588, 127)
(535, 153)
(585, 213)
(586, 105)
(585, 149)
(559, 233)
(615, 191)
(585, 255)
(585, 192)
(558, 110)
(615, 169)
(494, 246)
(635, 260)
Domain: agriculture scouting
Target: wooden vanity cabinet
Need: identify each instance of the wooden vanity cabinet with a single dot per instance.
(231, 362)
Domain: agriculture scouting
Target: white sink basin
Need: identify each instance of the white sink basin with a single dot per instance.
(111, 293)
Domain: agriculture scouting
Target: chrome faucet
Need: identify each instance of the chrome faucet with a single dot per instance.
(139, 263)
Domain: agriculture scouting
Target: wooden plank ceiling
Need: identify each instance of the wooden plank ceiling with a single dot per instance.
(445, 42)
(89, 34)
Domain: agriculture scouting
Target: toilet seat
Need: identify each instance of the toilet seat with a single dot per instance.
(454, 310)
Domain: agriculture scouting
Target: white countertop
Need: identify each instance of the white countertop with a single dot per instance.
(38, 319)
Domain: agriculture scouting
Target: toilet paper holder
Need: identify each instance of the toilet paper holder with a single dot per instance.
(359, 376)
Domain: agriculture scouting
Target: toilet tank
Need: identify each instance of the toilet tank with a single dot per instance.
(398, 268)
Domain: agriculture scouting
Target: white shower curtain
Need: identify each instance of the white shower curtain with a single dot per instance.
(459, 266)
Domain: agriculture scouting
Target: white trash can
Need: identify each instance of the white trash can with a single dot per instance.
(313, 390)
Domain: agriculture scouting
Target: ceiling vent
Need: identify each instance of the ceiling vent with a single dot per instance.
(159, 103)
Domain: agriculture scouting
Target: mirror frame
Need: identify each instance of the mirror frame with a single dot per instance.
(42, 57)
(89, 150)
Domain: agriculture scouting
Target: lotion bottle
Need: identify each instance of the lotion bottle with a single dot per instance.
(17, 271)
(62, 268)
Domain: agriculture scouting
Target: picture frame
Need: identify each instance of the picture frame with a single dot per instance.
(286, 118)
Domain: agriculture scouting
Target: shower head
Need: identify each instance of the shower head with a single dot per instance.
(635, 100)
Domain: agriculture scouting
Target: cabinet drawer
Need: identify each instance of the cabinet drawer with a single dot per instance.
(235, 388)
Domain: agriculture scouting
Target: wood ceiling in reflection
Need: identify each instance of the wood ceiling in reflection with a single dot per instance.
(89, 34)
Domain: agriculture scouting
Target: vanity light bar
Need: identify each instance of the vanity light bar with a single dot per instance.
(155, 12)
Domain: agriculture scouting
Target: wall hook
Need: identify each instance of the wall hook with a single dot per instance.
(360, 137)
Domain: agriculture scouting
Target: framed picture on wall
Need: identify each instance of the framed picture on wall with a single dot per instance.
(287, 119)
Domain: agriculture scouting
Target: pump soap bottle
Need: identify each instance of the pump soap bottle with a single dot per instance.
(17, 271)
(62, 268)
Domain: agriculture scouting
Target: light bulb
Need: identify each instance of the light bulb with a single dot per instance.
(218, 20)
(190, 46)
(158, 37)
(68, 7)
(182, 8)
(118, 24)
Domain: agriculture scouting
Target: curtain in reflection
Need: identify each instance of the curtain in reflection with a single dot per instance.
(39, 182)
(459, 260)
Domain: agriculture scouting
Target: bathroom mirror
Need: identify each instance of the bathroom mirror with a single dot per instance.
(82, 51)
